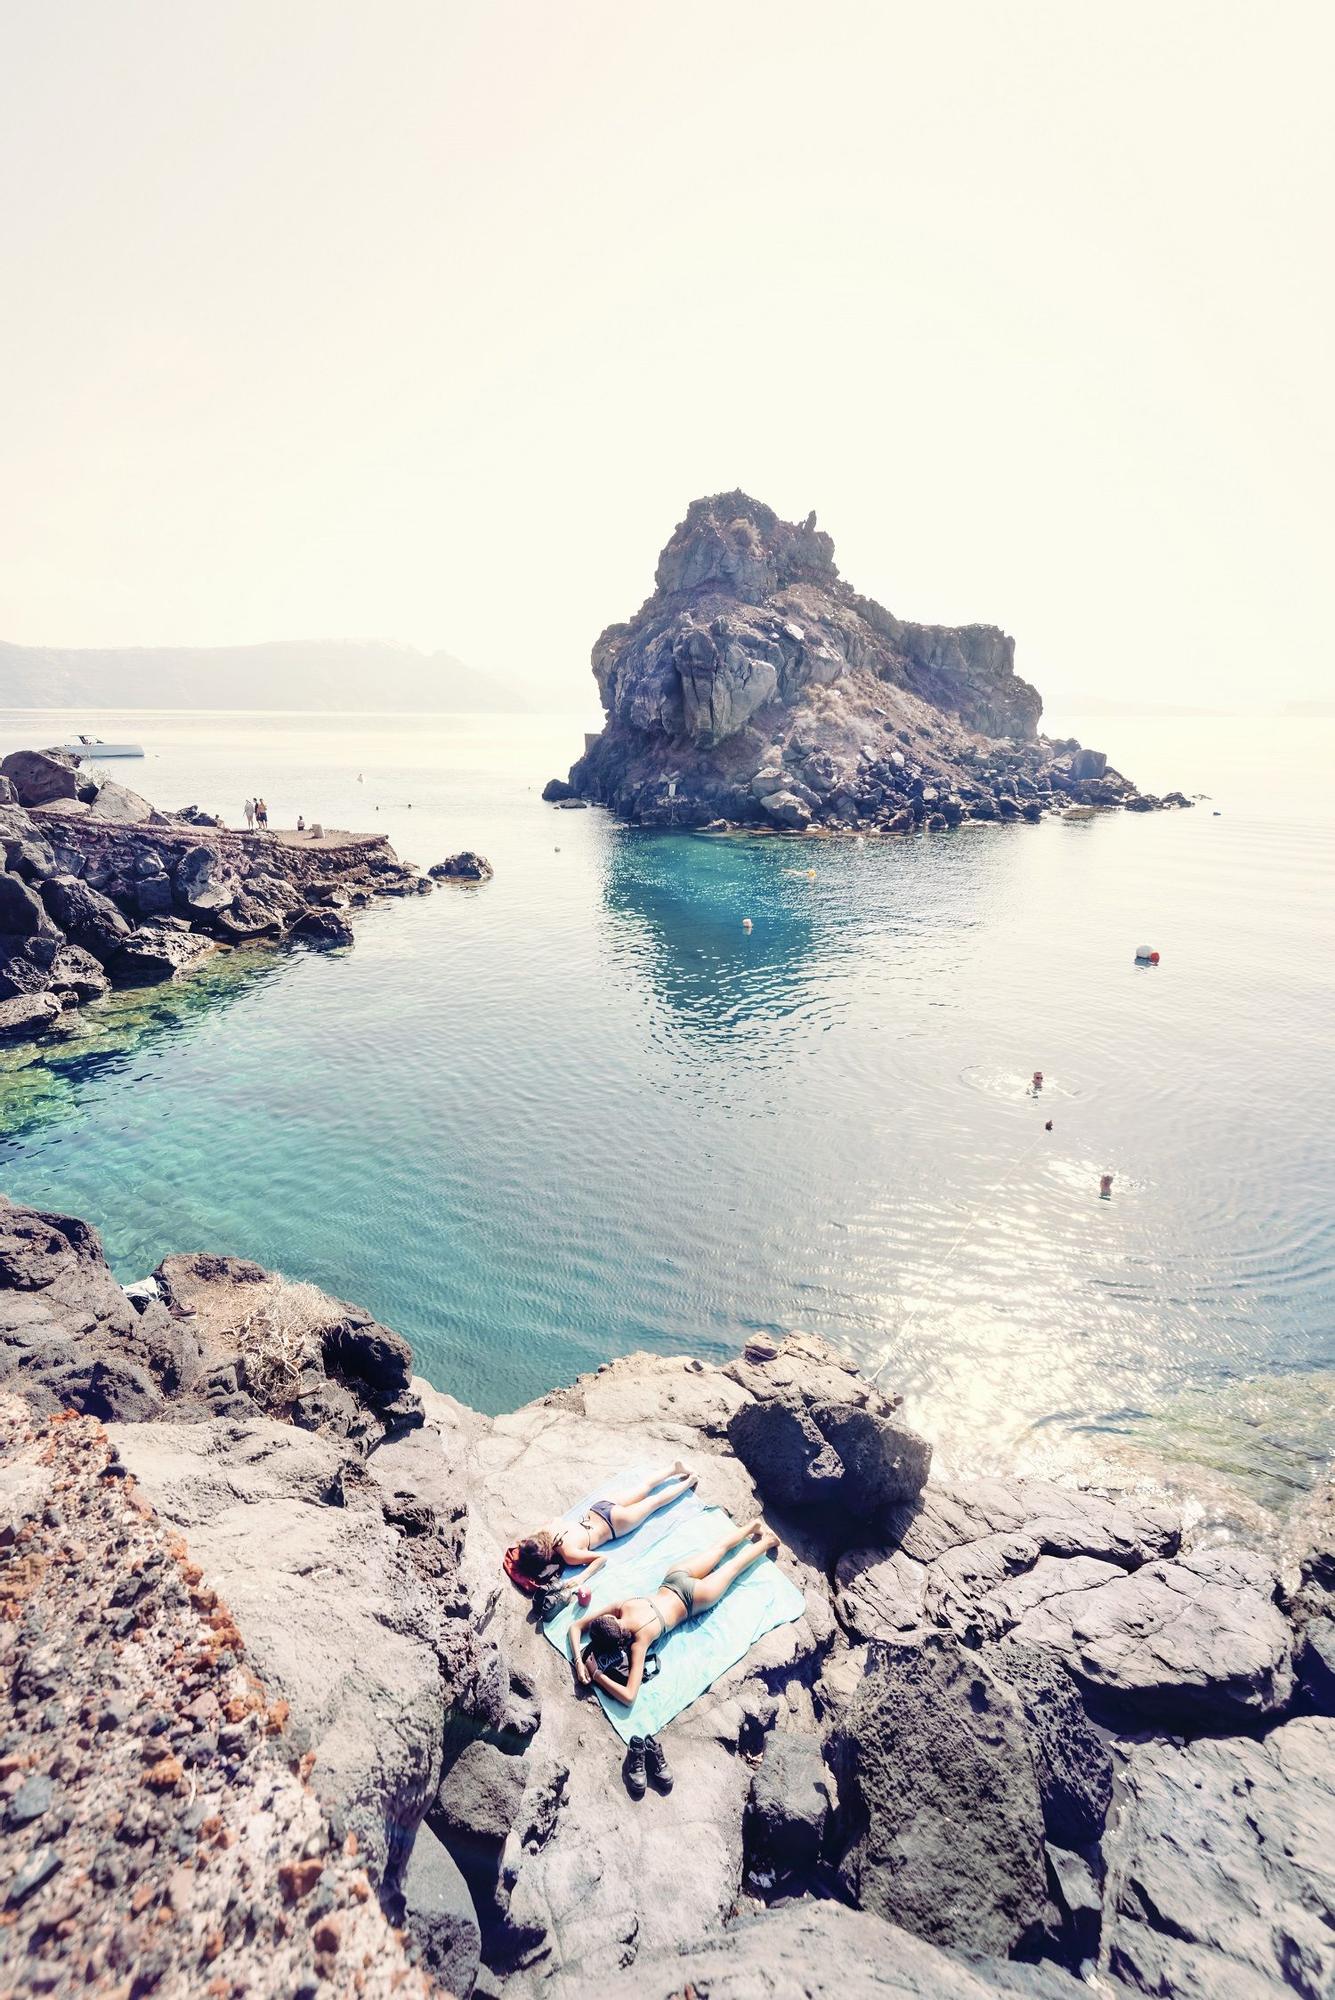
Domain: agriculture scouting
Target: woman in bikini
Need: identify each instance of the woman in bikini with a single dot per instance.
(637, 1623)
(575, 1545)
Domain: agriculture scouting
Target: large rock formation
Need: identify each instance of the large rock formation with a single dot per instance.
(755, 686)
(1000, 1725)
(98, 889)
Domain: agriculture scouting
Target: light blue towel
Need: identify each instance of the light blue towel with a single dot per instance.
(692, 1656)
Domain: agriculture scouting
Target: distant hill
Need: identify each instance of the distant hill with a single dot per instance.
(301, 674)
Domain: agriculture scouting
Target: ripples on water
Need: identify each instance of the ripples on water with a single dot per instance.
(582, 1111)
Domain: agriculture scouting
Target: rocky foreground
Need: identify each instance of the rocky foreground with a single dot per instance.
(755, 688)
(253, 1590)
(99, 889)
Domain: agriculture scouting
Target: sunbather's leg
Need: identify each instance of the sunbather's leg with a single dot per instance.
(629, 1495)
(710, 1558)
(719, 1581)
(628, 1514)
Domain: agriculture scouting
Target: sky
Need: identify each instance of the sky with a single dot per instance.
(427, 321)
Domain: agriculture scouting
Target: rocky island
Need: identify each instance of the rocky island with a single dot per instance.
(273, 1720)
(755, 688)
(100, 889)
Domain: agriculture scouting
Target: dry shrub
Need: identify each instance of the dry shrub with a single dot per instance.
(277, 1341)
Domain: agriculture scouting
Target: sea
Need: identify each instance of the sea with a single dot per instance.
(582, 1110)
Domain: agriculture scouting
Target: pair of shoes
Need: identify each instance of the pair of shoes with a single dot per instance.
(645, 1752)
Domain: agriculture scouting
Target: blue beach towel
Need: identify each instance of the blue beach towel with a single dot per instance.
(692, 1656)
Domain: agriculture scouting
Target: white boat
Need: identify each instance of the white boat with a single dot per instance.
(92, 746)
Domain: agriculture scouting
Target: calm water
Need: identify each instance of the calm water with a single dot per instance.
(580, 1111)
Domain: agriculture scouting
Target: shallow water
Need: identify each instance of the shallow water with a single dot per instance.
(580, 1110)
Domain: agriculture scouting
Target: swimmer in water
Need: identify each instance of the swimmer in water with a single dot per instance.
(1036, 1082)
(1105, 1187)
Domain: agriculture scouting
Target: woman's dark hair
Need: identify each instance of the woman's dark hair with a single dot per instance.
(537, 1553)
(605, 1634)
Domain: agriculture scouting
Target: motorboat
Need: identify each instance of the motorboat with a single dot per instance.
(93, 746)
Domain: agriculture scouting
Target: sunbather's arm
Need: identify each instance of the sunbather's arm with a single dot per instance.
(575, 1638)
(624, 1691)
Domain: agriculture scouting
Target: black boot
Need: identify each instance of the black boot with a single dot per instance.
(633, 1768)
(659, 1770)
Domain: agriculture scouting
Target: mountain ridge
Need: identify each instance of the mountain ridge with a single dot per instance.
(310, 674)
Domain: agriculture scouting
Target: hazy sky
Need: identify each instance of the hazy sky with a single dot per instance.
(426, 321)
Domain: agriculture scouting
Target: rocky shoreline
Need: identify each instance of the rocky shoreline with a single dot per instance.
(100, 889)
(756, 689)
(1021, 1730)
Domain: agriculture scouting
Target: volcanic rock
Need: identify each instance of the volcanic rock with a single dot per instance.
(755, 685)
(465, 867)
(39, 776)
(1221, 1866)
(938, 1791)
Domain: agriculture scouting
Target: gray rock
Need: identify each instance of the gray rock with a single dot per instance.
(1071, 1758)
(21, 912)
(25, 964)
(76, 971)
(465, 867)
(322, 927)
(40, 776)
(1200, 1634)
(791, 1796)
(155, 952)
(813, 1951)
(815, 1434)
(1221, 1867)
(440, 1917)
(28, 1014)
(88, 918)
(478, 1802)
(204, 882)
(941, 1803)
(117, 802)
(786, 809)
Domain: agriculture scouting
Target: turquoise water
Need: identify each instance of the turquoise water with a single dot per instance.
(580, 1111)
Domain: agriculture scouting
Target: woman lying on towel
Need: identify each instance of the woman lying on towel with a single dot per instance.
(539, 1557)
(637, 1623)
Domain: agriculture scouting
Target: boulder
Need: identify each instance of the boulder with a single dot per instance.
(477, 1803)
(465, 867)
(1089, 764)
(155, 952)
(555, 790)
(322, 927)
(117, 802)
(153, 894)
(939, 1798)
(28, 1014)
(25, 964)
(439, 1915)
(87, 917)
(1071, 1758)
(26, 850)
(40, 776)
(8, 792)
(21, 911)
(786, 809)
(792, 1794)
(1221, 1866)
(1200, 1635)
(204, 882)
(814, 1433)
(76, 971)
